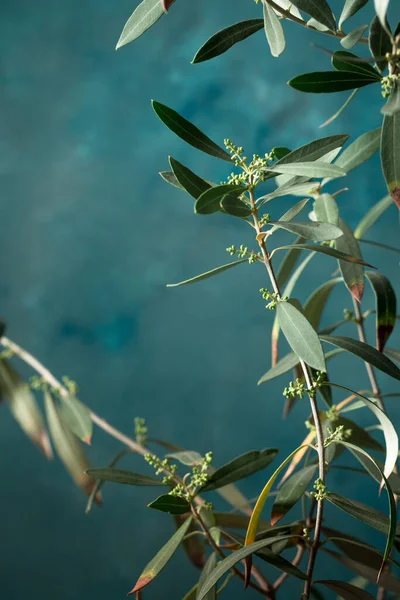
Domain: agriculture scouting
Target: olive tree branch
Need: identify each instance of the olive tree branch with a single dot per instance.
(313, 403)
(54, 383)
(288, 15)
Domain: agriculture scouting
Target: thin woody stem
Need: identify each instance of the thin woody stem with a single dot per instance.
(288, 15)
(313, 403)
(54, 383)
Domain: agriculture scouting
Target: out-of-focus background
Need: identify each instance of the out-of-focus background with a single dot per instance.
(90, 237)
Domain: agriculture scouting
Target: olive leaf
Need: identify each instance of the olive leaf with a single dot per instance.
(226, 38)
(24, 408)
(157, 564)
(145, 16)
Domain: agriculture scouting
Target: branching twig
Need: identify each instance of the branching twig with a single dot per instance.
(288, 15)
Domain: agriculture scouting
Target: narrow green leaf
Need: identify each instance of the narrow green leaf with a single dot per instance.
(381, 7)
(277, 561)
(289, 262)
(326, 250)
(351, 7)
(100, 482)
(76, 416)
(326, 209)
(394, 354)
(188, 132)
(328, 82)
(347, 591)
(309, 169)
(366, 514)
(280, 151)
(360, 150)
(354, 548)
(353, 37)
(234, 206)
(352, 273)
(391, 535)
(209, 201)
(287, 363)
(189, 458)
(156, 565)
(364, 351)
(333, 326)
(301, 336)
(174, 505)
(390, 155)
(319, 10)
(291, 213)
(146, 14)
(386, 581)
(205, 574)
(24, 408)
(389, 432)
(225, 565)
(314, 150)
(193, 545)
(379, 43)
(258, 508)
(292, 490)
(170, 178)
(385, 298)
(240, 467)
(318, 26)
(340, 110)
(273, 30)
(290, 189)
(392, 105)
(287, 292)
(186, 179)
(346, 61)
(69, 448)
(312, 230)
(209, 273)
(289, 6)
(316, 594)
(221, 41)
(372, 216)
(122, 476)
(191, 594)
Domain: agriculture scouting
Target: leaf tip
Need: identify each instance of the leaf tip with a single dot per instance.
(395, 193)
(140, 584)
(383, 334)
(357, 291)
(45, 446)
(247, 571)
(275, 517)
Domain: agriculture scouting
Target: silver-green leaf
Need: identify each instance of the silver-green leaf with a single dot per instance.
(301, 336)
(146, 14)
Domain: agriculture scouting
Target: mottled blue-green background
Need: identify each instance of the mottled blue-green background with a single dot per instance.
(91, 235)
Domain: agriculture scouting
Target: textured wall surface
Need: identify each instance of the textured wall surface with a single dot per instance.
(91, 235)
